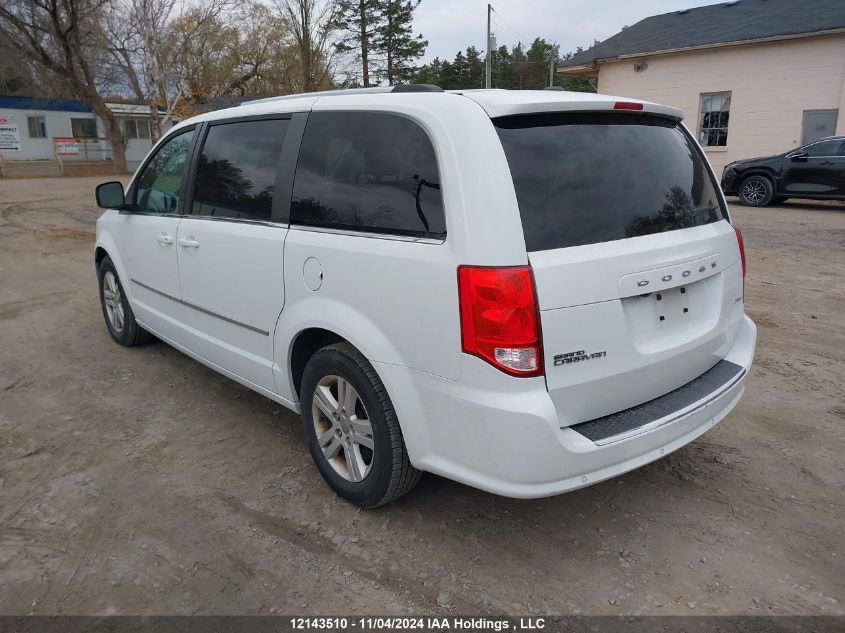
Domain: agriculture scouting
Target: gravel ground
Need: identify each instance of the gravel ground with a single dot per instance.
(136, 481)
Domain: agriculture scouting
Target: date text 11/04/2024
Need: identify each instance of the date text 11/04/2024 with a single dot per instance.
(369, 623)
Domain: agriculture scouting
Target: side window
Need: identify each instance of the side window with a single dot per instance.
(83, 128)
(368, 171)
(36, 126)
(236, 172)
(160, 182)
(136, 128)
(824, 148)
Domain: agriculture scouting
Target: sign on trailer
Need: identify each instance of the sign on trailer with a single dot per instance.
(10, 138)
(66, 146)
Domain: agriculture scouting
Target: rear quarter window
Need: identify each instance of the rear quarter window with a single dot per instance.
(368, 171)
(584, 178)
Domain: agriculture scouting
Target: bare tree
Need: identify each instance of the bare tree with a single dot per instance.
(312, 27)
(148, 41)
(19, 75)
(248, 52)
(64, 37)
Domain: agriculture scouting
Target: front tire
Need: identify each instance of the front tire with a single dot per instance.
(120, 320)
(756, 191)
(352, 430)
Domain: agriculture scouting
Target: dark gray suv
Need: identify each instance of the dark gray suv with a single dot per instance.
(815, 171)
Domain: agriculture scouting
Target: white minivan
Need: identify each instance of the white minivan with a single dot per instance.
(528, 292)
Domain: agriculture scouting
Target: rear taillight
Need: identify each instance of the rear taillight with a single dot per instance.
(741, 243)
(499, 318)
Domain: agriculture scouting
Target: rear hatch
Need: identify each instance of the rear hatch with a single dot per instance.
(638, 272)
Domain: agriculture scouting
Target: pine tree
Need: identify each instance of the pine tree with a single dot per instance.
(475, 69)
(360, 20)
(395, 40)
(500, 74)
(429, 73)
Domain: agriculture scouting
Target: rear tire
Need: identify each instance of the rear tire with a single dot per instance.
(352, 429)
(120, 320)
(756, 191)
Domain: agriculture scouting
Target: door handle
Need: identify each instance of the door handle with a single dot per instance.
(188, 242)
(164, 238)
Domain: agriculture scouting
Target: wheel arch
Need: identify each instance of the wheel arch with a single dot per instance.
(758, 171)
(106, 247)
(307, 343)
(99, 255)
(300, 334)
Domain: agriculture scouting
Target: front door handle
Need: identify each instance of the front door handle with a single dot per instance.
(188, 242)
(164, 238)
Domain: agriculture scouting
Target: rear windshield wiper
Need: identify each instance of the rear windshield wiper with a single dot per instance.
(422, 182)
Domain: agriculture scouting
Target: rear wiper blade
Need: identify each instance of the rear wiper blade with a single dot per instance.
(422, 182)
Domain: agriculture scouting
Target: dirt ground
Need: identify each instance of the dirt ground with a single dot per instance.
(136, 481)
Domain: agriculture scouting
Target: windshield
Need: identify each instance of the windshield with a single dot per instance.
(583, 178)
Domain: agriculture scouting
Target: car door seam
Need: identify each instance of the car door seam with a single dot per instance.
(203, 310)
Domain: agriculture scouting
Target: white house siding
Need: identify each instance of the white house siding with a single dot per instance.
(57, 124)
(137, 148)
(771, 85)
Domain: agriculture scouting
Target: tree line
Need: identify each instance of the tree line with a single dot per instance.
(176, 55)
(514, 68)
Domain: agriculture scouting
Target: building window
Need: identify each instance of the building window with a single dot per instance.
(136, 128)
(83, 128)
(37, 127)
(713, 128)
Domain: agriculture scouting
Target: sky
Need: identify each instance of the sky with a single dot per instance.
(452, 25)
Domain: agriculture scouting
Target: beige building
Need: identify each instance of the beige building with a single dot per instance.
(754, 77)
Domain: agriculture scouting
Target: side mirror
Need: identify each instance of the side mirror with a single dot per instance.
(110, 195)
(798, 156)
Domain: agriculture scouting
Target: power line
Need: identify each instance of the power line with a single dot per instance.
(516, 32)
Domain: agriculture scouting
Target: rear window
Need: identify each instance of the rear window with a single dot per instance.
(588, 178)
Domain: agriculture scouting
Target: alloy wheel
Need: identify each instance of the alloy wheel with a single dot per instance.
(754, 192)
(343, 428)
(113, 300)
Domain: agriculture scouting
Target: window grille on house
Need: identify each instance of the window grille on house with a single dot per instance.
(713, 126)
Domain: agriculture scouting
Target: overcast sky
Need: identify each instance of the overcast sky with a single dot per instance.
(452, 25)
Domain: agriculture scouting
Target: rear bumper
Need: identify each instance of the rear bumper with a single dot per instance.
(504, 436)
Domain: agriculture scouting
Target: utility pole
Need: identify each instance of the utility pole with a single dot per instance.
(488, 70)
(551, 73)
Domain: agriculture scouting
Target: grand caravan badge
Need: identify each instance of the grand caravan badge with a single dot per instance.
(577, 357)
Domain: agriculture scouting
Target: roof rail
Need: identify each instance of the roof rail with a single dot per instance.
(325, 93)
(352, 91)
(416, 88)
